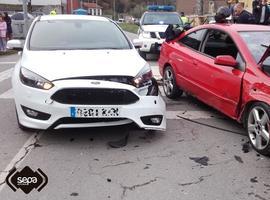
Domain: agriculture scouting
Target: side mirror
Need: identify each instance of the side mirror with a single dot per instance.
(137, 43)
(15, 44)
(137, 23)
(226, 60)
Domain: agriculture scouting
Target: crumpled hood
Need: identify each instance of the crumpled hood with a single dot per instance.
(154, 28)
(54, 65)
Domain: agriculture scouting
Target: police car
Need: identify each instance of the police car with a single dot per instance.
(152, 28)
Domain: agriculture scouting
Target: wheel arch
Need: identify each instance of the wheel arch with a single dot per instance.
(246, 109)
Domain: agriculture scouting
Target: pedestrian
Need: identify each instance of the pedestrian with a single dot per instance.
(9, 28)
(231, 4)
(242, 16)
(222, 14)
(184, 18)
(261, 12)
(53, 12)
(256, 10)
(3, 34)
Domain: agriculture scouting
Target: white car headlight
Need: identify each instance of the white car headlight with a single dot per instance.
(146, 34)
(144, 77)
(31, 79)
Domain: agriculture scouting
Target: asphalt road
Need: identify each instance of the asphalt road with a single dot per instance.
(190, 161)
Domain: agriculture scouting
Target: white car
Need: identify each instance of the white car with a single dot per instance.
(152, 30)
(82, 71)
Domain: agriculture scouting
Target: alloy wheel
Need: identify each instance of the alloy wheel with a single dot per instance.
(168, 82)
(258, 127)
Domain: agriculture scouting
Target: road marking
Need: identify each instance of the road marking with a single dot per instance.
(193, 115)
(19, 157)
(7, 95)
(6, 74)
(7, 63)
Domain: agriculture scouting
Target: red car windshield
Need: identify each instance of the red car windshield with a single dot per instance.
(257, 43)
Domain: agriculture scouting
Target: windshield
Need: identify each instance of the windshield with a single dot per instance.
(77, 35)
(255, 42)
(161, 18)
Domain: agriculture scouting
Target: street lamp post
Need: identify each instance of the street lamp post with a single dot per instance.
(97, 13)
(71, 6)
(199, 7)
(113, 9)
(25, 17)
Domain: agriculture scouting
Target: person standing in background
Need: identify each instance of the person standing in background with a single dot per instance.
(255, 10)
(261, 12)
(231, 5)
(3, 34)
(184, 18)
(242, 16)
(9, 28)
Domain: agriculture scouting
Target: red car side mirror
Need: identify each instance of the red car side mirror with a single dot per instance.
(226, 60)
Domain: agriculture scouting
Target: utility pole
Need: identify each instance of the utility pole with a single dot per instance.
(97, 13)
(199, 7)
(113, 9)
(71, 6)
(25, 17)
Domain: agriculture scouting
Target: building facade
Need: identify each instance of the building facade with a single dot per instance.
(209, 7)
(189, 7)
(92, 8)
(44, 6)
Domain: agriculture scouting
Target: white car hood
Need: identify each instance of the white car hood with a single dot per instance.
(154, 28)
(54, 65)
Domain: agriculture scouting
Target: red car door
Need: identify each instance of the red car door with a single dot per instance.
(183, 54)
(220, 86)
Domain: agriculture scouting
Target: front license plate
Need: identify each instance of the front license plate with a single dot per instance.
(94, 112)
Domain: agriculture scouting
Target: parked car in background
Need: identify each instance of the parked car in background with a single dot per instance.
(94, 79)
(152, 27)
(227, 66)
(17, 24)
(37, 13)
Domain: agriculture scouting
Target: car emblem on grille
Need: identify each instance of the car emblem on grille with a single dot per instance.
(95, 82)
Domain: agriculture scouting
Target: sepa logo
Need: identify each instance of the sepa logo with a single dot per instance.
(26, 180)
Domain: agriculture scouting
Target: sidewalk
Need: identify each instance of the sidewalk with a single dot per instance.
(8, 52)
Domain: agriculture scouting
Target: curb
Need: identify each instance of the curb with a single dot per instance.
(8, 52)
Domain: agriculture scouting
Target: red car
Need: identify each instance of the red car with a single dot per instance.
(226, 66)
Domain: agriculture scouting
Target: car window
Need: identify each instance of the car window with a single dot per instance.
(77, 34)
(219, 43)
(255, 41)
(266, 66)
(193, 39)
(161, 18)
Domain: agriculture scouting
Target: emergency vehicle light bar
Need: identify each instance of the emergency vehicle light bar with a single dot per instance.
(160, 8)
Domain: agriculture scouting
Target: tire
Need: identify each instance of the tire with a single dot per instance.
(170, 88)
(142, 54)
(257, 123)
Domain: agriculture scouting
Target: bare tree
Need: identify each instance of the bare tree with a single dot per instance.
(199, 6)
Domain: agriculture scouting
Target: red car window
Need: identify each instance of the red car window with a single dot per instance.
(193, 39)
